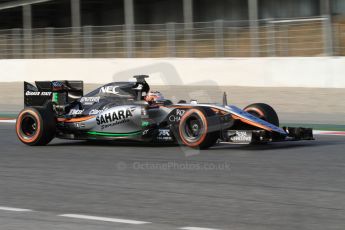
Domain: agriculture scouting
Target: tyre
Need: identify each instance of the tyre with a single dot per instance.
(36, 126)
(264, 112)
(194, 130)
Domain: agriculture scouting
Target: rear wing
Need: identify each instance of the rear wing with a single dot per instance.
(61, 92)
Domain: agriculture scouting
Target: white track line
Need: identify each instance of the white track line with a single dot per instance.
(321, 132)
(197, 228)
(8, 121)
(107, 219)
(15, 209)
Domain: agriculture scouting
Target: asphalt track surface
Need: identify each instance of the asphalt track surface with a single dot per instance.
(297, 185)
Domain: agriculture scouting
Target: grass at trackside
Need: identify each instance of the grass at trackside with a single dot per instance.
(325, 127)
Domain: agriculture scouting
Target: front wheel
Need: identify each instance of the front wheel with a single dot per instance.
(194, 130)
(264, 112)
(35, 126)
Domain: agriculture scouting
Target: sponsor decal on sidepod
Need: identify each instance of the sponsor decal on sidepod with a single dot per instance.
(114, 118)
(75, 112)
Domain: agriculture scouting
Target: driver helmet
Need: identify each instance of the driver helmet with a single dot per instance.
(154, 96)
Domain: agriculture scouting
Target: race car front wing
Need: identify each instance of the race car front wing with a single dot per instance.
(263, 136)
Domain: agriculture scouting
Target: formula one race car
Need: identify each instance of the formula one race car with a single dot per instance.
(129, 111)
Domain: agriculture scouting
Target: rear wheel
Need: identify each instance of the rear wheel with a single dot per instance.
(194, 130)
(264, 112)
(36, 126)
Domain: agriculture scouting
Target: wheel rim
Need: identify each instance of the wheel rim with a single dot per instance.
(193, 128)
(28, 126)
